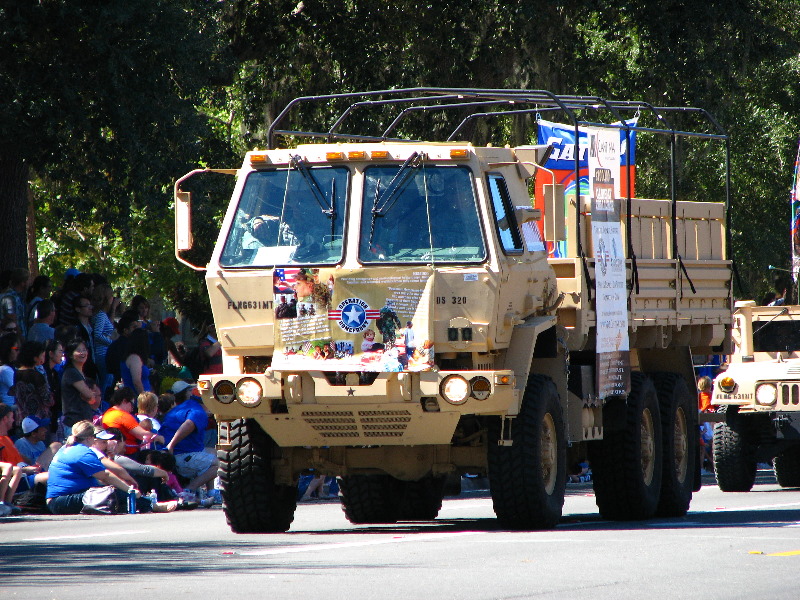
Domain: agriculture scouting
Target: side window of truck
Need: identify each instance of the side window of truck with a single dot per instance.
(505, 220)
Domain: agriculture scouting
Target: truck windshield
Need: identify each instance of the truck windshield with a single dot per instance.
(288, 216)
(776, 336)
(430, 217)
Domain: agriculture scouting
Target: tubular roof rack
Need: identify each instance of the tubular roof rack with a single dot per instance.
(424, 99)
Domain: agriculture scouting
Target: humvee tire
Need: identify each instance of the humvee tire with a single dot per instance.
(252, 501)
(370, 499)
(527, 479)
(627, 464)
(421, 500)
(787, 467)
(680, 441)
(734, 457)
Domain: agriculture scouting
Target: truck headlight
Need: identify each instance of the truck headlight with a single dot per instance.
(766, 394)
(727, 384)
(249, 392)
(455, 389)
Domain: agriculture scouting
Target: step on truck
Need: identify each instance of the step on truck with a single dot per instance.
(759, 398)
(395, 311)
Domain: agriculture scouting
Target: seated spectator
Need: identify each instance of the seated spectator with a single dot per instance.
(134, 366)
(14, 467)
(32, 446)
(9, 350)
(120, 416)
(166, 402)
(148, 409)
(79, 397)
(165, 461)
(184, 427)
(77, 468)
(42, 328)
(33, 395)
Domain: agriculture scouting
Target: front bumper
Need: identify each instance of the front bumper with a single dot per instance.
(309, 409)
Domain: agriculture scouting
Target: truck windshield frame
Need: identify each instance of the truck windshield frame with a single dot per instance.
(279, 219)
(432, 217)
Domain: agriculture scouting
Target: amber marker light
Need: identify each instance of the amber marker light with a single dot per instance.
(258, 159)
(380, 155)
(459, 153)
(356, 155)
(334, 155)
(727, 384)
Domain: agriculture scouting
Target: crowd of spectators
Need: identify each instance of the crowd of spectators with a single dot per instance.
(80, 376)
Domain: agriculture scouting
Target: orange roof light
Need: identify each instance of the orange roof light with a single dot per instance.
(334, 155)
(356, 155)
(379, 154)
(459, 153)
(259, 158)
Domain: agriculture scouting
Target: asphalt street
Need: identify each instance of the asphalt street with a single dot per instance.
(744, 545)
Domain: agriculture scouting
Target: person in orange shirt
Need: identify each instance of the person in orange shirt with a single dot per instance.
(120, 415)
(12, 465)
(704, 394)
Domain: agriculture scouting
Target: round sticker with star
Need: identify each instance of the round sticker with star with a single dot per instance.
(353, 315)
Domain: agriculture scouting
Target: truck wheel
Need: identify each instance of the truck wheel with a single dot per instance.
(527, 479)
(734, 457)
(627, 464)
(680, 436)
(368, 499)
(421, 500)
(252, 501)
(787, 467)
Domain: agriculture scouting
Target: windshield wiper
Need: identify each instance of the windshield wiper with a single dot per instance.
(381, 205)
(299, 164)
(380, 202)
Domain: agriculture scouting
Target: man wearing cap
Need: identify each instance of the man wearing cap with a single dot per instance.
(184, 429)
(31, 445)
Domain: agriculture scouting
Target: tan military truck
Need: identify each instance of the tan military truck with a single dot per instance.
(759, 394)
(393, 311)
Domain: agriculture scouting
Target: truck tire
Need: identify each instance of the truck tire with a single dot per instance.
(787, 467)
(421, 500)
(252, 501)
(680, 437)
(734, 457)
(627, 464)
(527, 479)
(369, 499)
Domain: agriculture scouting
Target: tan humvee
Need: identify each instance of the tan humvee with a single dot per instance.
(760, 396)
(393, 312)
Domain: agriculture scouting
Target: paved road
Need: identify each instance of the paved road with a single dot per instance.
(728, 546)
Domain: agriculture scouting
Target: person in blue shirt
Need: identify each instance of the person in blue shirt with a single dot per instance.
(76, 468)
(184, 428)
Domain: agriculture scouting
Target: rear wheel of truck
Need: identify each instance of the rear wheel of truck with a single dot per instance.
(787, 467)
(734, 456)
(252, 501)
(369, 499)
(527, 478)
(680, 437)
(627, 464)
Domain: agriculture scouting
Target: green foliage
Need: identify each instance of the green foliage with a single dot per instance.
(110, 103)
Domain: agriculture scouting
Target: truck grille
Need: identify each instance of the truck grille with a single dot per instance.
(358, 424)
(790, 394)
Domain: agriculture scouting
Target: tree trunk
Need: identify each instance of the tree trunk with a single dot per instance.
(13, 212)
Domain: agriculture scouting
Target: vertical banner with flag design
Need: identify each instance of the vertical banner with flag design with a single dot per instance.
(796, 221)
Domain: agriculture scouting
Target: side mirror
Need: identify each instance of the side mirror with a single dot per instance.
(183, 220)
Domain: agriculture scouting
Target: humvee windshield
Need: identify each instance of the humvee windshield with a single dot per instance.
(286, 216)
(776, 336)
(420, 213)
